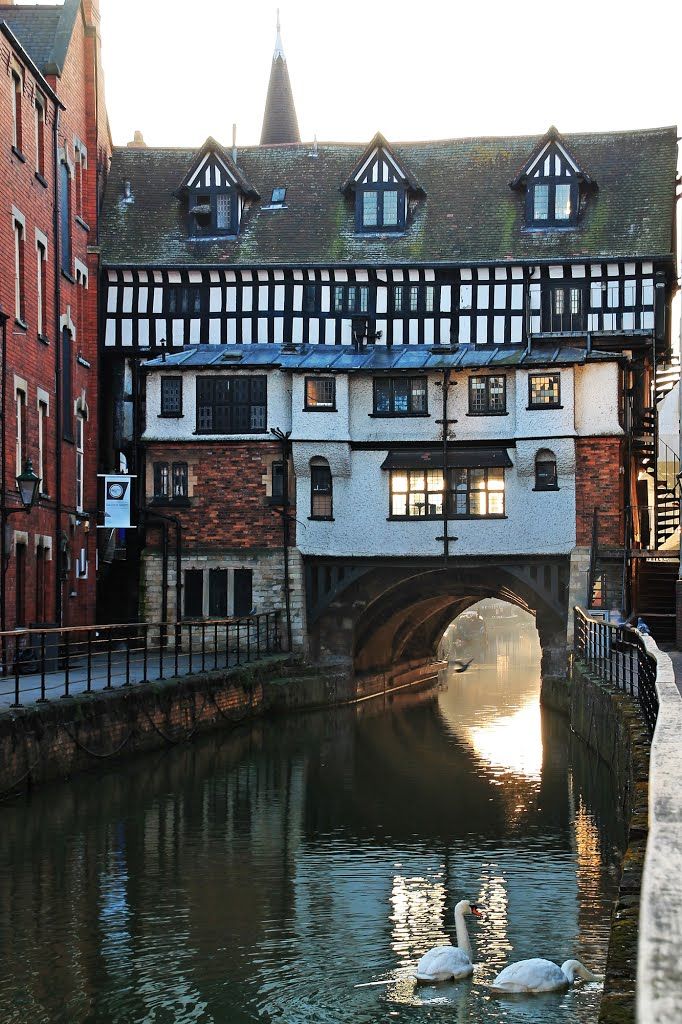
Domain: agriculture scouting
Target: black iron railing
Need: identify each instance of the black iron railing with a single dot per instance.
(41, 664)
(617, 655)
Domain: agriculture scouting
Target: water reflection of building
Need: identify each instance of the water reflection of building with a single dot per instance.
(221, 876)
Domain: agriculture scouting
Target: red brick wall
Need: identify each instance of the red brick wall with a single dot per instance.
(228, 498)
(35, 360)
(599, 484)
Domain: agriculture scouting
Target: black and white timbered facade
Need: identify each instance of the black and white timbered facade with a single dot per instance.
(148, 308)
(353, 285)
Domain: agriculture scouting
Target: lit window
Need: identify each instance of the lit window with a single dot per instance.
(544, 390)
(400, 396)
(476, 492)
(320, 393)
(417, 493)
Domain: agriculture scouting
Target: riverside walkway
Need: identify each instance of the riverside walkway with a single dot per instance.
(48, 664)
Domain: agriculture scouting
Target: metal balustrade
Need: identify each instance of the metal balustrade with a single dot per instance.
(617, 655)
(41, 664)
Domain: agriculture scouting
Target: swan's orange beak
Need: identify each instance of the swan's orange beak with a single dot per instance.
(475, 910)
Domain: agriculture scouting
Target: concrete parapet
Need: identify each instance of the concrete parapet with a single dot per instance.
(659, 970)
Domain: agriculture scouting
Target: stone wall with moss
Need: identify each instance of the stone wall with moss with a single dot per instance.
(611, 724)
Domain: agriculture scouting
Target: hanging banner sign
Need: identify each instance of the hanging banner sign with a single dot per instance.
(118, 491)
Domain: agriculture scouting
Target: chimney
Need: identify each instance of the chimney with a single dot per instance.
(138, 142)
(234, 143)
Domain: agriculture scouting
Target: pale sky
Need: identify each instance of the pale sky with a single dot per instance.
(182, 71)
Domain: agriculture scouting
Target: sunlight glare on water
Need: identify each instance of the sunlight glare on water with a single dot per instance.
(260, 875)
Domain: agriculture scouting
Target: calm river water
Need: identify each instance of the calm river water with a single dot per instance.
(260, 875)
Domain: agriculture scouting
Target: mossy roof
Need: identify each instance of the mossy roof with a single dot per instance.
(469, 213)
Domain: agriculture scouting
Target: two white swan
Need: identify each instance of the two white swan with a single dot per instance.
(537, 975)
(454, 963)
(445, 963)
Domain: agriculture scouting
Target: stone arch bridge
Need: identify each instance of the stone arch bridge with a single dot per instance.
(377, 614)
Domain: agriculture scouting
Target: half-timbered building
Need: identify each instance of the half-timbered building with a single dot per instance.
(333, 360)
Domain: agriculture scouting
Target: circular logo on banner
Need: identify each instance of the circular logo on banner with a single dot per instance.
(116, 490)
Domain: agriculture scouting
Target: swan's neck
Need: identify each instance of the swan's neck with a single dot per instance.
(462, 934)
(573, 968)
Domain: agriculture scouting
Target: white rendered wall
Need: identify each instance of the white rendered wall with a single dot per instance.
(182, 428)
(538, 522)
(597, 387)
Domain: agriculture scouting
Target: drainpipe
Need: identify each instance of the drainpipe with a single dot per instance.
(285, 444)
(164, 518)
(58, 371)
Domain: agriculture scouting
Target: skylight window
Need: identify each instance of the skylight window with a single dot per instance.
(278, 196)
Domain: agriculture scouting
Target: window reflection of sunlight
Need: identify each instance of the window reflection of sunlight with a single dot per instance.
(512, 743)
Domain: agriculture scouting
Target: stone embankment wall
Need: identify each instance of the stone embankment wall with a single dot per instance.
(58, 739)
(610, 723)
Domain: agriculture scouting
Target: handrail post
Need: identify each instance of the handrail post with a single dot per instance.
(42, 699)
(67, 666)
(109, 641)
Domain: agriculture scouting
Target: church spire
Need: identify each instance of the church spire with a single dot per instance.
(280, 124)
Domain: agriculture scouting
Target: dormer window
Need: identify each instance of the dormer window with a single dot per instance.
(215, 191)
(381, 187)
(212, 214)
(381, 208)
(553, 203)
(553, 182)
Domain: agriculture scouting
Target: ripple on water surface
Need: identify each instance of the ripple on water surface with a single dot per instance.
(262, 875)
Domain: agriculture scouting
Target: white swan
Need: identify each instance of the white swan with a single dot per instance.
(443, 963)
(539, 975)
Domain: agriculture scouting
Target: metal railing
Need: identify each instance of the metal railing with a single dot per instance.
(618, 656)
(40, 664)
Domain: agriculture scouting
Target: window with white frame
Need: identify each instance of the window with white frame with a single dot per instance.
(80, 462)
(21, 449)
(17, 94)
(41, 281)
(43, 413)
(39, 133)
(81, 166)
(19, 284)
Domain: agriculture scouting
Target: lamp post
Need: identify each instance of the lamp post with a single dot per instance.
(27, 486)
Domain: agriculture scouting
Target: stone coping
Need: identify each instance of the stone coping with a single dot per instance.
(659, 967)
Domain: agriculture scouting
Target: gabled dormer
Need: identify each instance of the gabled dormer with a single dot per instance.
(215, 191)
(554, 184)
(382, 187)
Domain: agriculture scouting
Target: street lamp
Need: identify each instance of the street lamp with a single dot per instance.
(27, 485)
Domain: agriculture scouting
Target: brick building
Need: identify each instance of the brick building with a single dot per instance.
(54, 154)
(462, 341)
